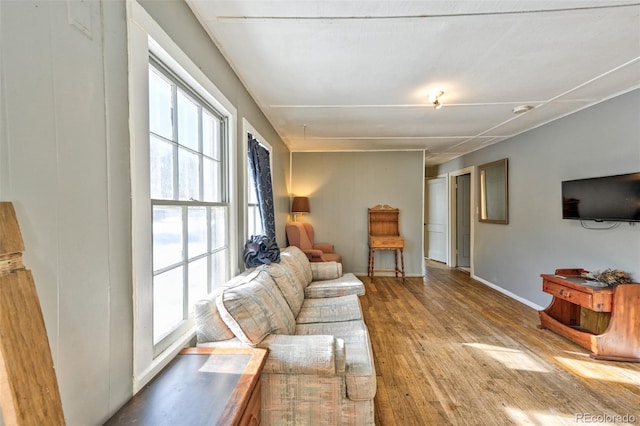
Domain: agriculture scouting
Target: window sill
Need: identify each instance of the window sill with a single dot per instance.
(162, 360)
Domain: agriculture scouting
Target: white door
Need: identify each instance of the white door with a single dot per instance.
(435, 240)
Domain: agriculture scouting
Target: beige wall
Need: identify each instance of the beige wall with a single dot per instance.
(341, 186)
(598, 141)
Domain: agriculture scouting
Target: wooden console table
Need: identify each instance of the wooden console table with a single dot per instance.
(202, 386)
(384, 234)
(604, 320)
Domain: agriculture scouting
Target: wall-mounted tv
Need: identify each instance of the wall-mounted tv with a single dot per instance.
(607, 198)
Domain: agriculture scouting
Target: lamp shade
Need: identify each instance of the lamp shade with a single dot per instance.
(300, 205)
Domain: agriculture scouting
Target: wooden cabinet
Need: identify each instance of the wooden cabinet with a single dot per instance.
(384, 234)
(203, 386)
(602, 319)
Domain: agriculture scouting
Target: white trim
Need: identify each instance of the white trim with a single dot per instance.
(444, 176)
(145, 36)
(508, 293)
(451, 258)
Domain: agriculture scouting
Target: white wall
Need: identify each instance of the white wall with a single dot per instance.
(64, 163)
(341, 186)
(65, 166)
(598, 141)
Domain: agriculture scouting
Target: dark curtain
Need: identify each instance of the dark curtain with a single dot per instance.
(259, 165)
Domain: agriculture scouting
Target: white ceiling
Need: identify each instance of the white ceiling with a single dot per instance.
(354, 75)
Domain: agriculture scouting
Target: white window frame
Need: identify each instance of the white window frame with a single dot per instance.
(145, 36)
(247, 129)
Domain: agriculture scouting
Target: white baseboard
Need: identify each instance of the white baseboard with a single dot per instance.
(508, 293)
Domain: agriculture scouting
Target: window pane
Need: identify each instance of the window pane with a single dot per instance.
(218, 227)
(197, 281)
(187, 122)
(161, 165)
(218, 269)
(160, 121)
(211, 180)
(254, 221)
(252, 194)
(168, 306)
(197, 226)
(210, 135)
(167, 236)
(188, 175)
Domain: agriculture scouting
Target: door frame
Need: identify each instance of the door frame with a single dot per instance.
(452, 260)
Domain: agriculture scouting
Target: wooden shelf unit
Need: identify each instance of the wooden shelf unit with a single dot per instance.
(384, 234)
(604, 320)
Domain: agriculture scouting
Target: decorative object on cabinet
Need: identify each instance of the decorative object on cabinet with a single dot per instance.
(602, 319)
(494, 192)
(384, 234)
(610, 277)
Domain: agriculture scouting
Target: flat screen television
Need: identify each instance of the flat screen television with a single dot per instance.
(607, 198)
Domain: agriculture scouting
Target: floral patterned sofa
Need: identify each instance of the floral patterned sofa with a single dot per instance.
(320, 368)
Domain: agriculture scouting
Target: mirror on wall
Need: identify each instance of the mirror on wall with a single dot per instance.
(494, 195)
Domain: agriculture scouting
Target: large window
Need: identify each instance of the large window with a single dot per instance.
(254, 221)
(189, 201)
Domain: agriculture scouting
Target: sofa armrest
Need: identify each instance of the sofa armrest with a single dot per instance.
(319, 355)
(326, 270)
(324, 247)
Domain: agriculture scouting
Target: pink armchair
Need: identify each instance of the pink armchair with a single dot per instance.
(301, 235)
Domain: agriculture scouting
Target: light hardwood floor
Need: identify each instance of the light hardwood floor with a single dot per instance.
(450, 350)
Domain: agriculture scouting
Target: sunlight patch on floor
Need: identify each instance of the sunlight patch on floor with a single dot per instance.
(511, 358)
(600, 371)
(538, 418)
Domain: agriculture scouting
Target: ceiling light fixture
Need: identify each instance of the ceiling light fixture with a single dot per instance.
(522, 108)
(434, 98)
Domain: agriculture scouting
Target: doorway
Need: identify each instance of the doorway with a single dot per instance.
(463, 221)
(460, 238)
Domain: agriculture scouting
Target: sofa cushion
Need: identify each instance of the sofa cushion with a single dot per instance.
(346, 284)
(295, 270)
(255, 308)
(289, 285)
(325, 270)
(209, 324)
(301, 262)
(334, 309)
(360, 369)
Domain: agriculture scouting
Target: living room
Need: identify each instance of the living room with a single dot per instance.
(66, 163)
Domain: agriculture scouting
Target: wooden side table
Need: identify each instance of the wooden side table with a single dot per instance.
(602, 319)
(202, 386)
(396, 244)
